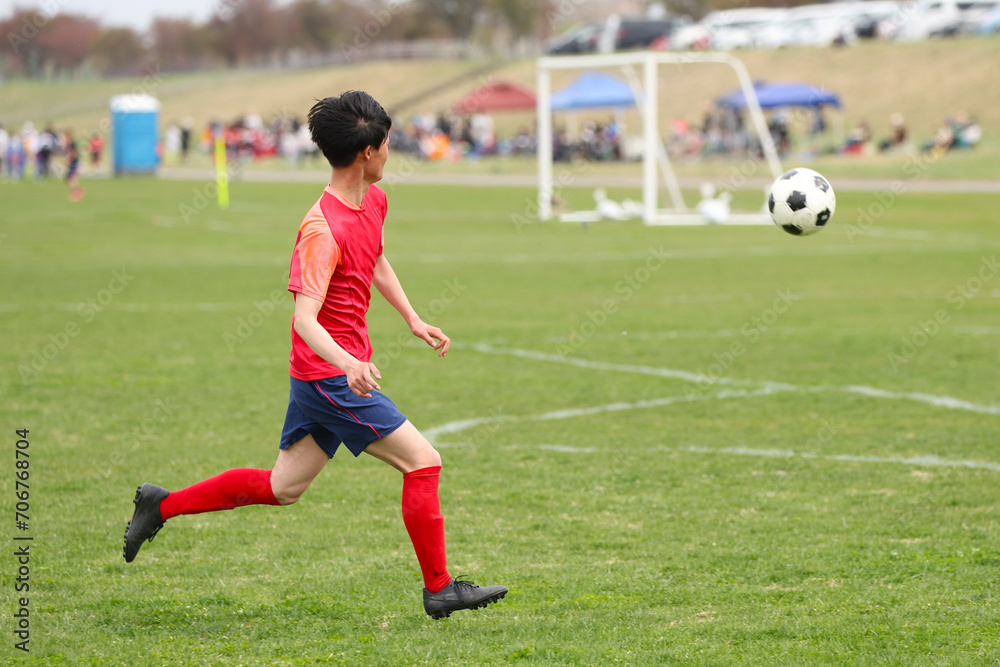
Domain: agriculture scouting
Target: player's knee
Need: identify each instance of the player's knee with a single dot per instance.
(426, 457)
(288, 495)
(433, 457)
(287, 498)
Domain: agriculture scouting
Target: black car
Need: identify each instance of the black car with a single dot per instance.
(581, 39)
(641, 33)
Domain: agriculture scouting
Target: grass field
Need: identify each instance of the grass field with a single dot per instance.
(675, 445)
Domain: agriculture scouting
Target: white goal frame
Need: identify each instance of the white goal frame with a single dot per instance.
(654, 153)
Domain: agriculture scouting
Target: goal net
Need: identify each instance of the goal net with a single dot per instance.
(655, 159)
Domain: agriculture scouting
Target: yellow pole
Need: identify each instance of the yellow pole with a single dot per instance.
(221, 176)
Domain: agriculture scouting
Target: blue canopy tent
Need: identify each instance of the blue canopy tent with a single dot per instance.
(788, 94)
(594, 89)
(784, 94)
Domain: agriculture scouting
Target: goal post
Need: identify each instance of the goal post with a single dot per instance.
(654, 154)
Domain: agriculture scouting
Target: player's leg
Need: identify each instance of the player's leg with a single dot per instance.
(407, 450)
(296, 468)
(301, 458)
(75, 191)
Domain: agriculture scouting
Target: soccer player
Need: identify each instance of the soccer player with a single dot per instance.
(335, 395)
(73, 169)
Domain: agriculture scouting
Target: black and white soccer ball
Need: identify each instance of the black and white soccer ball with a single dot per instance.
(801, 201)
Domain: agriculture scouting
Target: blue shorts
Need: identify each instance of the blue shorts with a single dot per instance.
(334, 414)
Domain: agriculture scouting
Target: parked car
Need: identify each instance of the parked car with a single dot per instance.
(936, 18)
(579, 39)
(990, 23)
(975, 13)
(806, 31)
(639, 33)
(824, 24)
(727, 29)
(873, 12)
(616, 34)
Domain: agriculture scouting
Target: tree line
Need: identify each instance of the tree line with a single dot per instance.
(43, 42)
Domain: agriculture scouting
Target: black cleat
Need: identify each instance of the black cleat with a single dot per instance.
(146, 520)
(460, 594)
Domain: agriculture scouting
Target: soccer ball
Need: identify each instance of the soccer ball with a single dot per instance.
(801, 201)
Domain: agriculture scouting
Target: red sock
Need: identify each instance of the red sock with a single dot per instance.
(425, 524)
(233, 488)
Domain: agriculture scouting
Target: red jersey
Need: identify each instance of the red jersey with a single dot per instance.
(334, 262)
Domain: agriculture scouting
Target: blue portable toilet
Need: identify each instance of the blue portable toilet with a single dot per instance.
(135, 134)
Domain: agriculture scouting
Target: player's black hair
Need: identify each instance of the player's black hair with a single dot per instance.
(346, 125)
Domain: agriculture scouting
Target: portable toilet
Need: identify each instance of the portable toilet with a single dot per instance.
(135, 134)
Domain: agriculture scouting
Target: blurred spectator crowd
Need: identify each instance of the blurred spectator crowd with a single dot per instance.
(39, 154)
(444, 136)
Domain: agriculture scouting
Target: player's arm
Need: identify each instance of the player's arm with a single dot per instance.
(307, 326)
(387, 283)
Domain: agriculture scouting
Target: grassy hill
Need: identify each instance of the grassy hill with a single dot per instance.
(925, 81)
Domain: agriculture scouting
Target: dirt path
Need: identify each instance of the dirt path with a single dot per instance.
(529, 180)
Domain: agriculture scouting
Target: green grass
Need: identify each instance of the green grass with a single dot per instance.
(794, 528)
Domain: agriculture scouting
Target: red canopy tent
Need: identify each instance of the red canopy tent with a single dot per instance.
(496, 96)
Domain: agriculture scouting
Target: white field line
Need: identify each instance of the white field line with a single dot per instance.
(735, 333)
(796, 250)
(978, 331)
(928, 460)
(919, 235)
(908, 234)
(434, 433)
(930, 399)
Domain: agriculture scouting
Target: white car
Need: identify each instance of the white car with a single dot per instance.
(807, 32)
(725, 30)
(823, 25)
(933, 18)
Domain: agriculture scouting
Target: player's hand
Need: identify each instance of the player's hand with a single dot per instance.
(361, 378)
(432, 336)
